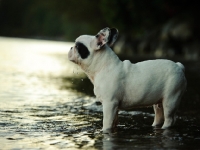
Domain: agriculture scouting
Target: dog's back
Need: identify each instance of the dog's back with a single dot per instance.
(149, 81)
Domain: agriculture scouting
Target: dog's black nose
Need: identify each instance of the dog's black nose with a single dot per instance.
(71, 48)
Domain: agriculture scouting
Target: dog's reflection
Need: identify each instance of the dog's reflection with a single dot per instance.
(159, 138)
(168, 137)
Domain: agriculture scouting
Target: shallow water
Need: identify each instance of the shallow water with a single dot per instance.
(47, 103)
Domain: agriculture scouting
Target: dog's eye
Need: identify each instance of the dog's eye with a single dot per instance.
(82, 50)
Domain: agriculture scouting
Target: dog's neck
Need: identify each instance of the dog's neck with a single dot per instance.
(105, 59)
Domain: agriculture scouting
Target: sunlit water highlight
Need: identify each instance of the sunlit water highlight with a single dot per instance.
(39, 109)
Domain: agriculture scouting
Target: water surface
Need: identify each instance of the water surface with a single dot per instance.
(46, 102)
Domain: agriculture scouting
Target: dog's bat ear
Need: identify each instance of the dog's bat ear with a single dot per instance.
(106, 36)
(113, 36)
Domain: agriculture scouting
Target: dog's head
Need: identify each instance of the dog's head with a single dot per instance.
(86, 46)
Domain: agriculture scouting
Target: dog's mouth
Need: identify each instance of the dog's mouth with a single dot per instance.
(70, 55)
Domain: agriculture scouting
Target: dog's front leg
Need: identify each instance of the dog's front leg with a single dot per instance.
(110, 116)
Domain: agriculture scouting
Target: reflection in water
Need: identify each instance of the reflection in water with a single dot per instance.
(147, 138)
(28, 67)
(42, 105)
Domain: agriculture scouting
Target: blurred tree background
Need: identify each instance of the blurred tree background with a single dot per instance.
(157, 28)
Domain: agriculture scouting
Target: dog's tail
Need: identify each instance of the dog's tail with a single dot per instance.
(181, 66)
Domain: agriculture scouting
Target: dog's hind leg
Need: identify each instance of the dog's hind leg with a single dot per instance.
(170, 106)
(159, 115)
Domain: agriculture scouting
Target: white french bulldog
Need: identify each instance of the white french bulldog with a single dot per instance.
(121, 85)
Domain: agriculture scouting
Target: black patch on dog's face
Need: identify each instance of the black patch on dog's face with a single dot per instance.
(82, 50)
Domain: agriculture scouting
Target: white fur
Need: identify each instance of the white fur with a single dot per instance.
(123, 85)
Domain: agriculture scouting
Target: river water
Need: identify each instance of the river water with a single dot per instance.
(46, 102)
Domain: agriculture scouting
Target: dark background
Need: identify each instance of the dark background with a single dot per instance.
(153, 28)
